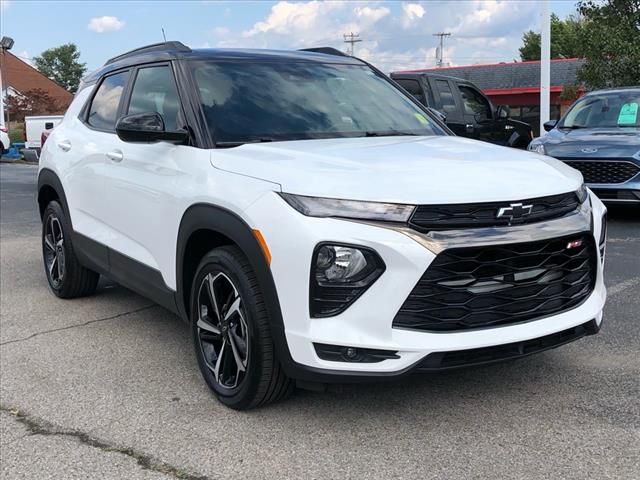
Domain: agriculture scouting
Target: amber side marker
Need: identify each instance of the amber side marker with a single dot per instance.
(263, 245)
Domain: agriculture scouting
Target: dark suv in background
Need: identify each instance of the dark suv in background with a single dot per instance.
(467, 111)
(600, 136)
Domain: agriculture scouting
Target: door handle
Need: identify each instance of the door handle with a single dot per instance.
(64, 145)
(115, 156)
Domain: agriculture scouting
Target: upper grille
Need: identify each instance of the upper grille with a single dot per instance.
(474, 215)
(604, 171)
(466, 288)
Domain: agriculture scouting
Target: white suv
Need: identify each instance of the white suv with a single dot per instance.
(311, 221)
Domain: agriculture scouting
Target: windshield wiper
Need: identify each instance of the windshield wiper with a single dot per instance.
(572, 127)
(232, 144)
(391, 133)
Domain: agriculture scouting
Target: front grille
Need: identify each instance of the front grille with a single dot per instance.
(477, 287)
(604, 171)
(475, 215)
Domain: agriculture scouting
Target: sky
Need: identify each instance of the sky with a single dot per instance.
(395, 34)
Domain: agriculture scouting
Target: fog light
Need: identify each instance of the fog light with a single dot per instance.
(339, 275)
(340, 264)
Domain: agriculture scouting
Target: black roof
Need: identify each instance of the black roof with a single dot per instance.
(510, 75)
(177, 50)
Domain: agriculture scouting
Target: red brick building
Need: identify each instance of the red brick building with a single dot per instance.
(19, 78)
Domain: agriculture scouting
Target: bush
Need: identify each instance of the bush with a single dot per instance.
(16, 135)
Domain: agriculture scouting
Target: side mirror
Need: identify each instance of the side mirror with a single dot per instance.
(147, 127)
(441, 116)
(503, 112)
(549, 125)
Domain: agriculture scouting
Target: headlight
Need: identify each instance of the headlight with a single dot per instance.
(339, 275)
(582, 193)
(331, 207)
(537, 147)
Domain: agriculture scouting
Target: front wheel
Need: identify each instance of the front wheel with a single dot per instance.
(231, 333)
(66, 276)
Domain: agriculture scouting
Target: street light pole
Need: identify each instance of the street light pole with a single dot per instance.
(5, 45)
(545, 66)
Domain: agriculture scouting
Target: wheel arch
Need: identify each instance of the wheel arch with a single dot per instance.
(50, 188)
(204, 227)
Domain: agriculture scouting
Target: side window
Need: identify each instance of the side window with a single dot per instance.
(446, 96)
(155, 90)
(474, 102)
(104, 106)
(413, 87)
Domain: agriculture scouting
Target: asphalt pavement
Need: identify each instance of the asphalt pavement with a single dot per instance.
(107, 387)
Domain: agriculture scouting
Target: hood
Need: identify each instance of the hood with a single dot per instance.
(414, 170)
(598, 143)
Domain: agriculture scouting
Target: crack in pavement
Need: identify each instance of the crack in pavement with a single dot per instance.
(69, 327)
(38, 426)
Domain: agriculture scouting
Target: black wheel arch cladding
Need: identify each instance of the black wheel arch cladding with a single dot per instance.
(226, 223)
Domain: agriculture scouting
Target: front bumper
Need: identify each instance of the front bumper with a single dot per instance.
(367, 324)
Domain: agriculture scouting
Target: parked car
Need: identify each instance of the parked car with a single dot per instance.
(468, 112)
(321, 228)
(5, 141)
(600, 136)
(35, 125)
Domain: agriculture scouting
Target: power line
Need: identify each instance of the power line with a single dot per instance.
(440, 49)
(351, 38)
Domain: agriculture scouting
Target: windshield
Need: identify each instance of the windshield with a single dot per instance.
(610, 110)
(253, 102)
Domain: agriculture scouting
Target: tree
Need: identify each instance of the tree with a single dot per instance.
(61, 65)
(32, 102)
(611, 43)
(565, 40)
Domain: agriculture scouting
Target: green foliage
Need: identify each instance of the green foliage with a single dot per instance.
(569, 93)
(565, 40)
(61, 65)
(610, 42)
(16, 134)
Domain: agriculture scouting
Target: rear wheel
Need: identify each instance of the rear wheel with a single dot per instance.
(66, 276)
(231, 333)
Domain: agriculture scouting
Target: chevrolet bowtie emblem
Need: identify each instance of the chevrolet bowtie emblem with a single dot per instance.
(515, 211)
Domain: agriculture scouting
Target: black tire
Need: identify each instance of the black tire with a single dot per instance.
(262, 381)
(66, 276)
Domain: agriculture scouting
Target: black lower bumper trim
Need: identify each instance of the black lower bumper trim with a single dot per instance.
(480, 356)
(442, 361)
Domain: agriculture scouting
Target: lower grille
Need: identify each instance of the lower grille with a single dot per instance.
(480, 356)
(621, 195)
(478, 287)
(605, 171)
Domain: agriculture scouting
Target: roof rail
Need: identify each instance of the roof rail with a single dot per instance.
(325, 50)
(155, 47)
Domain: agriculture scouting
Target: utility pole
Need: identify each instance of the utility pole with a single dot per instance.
(440, 49)
(351, 38)
(545, 65)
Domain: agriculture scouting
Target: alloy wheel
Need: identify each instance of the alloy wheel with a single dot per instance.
(54, 251)
(222, 330)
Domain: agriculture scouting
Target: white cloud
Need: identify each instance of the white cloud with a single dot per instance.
(105, 24)
(394, 35)
(413, 11)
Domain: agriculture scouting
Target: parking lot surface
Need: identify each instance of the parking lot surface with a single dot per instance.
(108, 387)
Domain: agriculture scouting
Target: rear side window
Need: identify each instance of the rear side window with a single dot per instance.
(474, 102)
(155, 91)
(104, 106)
(413, 87)
(446, 96)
